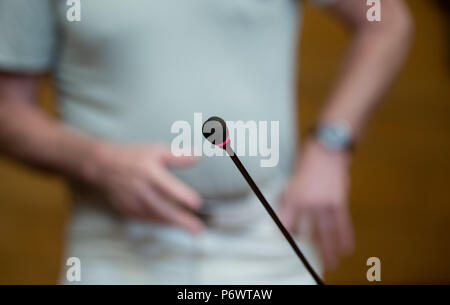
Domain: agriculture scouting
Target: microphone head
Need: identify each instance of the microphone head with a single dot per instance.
(215, 131)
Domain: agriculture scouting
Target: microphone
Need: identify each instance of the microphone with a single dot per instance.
(215, 131)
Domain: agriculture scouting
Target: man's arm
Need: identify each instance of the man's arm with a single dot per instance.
(376, 52)
(135, 179)
(32, 136)
(318, 190)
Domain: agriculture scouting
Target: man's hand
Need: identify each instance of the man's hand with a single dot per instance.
(135, 178)
(137, 182)
(317, 195)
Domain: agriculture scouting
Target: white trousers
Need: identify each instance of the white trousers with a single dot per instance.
(114, 251)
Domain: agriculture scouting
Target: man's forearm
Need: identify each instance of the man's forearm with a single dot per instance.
(376, 52)
(30, 135)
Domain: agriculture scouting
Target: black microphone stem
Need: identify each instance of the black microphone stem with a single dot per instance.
(272, 214)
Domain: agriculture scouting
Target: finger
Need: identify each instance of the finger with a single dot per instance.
(168, 211)
(287, 212)
(174, 188)
(344, 230)
(177, 216)
(324, 223)
(303, 225)
(176, 159)
(127, 206)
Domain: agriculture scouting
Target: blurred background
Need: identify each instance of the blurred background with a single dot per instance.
(400, 197)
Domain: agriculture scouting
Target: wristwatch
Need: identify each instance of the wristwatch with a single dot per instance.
(335, 136)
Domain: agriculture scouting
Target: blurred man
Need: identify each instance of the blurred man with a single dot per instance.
(128, 69)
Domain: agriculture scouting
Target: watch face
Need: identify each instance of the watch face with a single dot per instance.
(334, 136)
